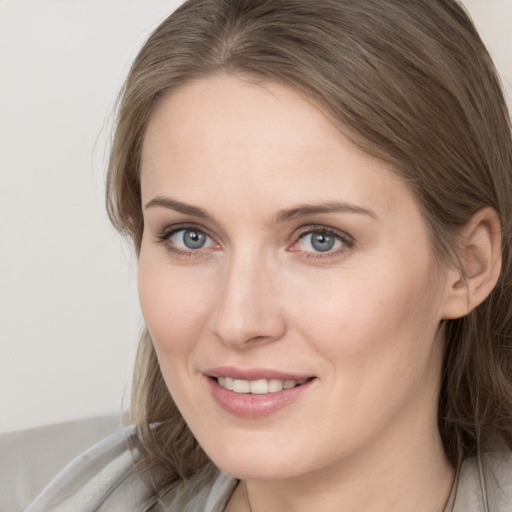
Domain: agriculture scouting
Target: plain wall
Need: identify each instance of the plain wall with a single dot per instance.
(69, 316)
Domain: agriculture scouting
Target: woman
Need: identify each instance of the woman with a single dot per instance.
(319, 196)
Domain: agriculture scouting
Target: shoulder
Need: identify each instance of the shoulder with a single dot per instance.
(485, 483)
(100, 479)
(104, 478)
(208, 491)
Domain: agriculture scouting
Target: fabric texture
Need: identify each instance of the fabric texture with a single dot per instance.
(99, 480)
(31, 458)
(103, 479)
(485, 484)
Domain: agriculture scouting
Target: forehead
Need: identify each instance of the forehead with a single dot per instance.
(262, 143)
(242, 103)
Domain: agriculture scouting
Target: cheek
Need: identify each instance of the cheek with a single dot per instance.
(375, 337)
(174, 308)
(375, 326)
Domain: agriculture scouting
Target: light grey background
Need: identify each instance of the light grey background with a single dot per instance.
(69, 317)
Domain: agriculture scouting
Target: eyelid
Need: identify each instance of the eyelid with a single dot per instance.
(165, 235)
(172, 229)
(322, 228)
(347, 240)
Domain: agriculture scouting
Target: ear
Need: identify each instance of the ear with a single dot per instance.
(479, 253)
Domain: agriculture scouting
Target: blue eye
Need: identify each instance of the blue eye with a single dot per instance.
(320, 241)
(190, 239)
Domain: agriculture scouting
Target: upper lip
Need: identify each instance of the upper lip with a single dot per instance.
(254, 373)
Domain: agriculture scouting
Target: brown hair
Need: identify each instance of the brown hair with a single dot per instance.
(410, 82)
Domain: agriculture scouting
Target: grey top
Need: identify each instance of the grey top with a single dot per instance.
(102, 479)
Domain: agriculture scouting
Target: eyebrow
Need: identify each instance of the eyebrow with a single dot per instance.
(316, 209)
(280, 217)
(178, 206)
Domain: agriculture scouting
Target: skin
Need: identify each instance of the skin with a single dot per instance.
(363, 319)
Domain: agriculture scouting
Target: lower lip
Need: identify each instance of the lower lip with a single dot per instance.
(252, 406)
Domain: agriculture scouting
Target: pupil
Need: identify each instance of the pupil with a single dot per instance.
(322, 242)
(194, 239)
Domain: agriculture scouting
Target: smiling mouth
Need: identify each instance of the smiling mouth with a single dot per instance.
(260, 386)
(249, 395)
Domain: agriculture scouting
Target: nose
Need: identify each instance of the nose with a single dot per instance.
(247, 309)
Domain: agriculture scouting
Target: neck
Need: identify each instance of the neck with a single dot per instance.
(412, 475)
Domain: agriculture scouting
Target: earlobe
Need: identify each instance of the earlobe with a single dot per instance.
(479, 253)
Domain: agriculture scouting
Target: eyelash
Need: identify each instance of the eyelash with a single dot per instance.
(165, 236)
(346, 240)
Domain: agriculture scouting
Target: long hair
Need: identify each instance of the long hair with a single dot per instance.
(409, 82)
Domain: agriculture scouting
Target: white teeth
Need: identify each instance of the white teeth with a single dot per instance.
(229, 383)
(226, 382)
(288, 384)
(275, 385)
(241, 386)
(257, 387)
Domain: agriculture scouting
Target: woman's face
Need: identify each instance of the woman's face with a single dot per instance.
(280, 260)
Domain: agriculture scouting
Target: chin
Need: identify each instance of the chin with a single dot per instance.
(260, 468)
(254, 456)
